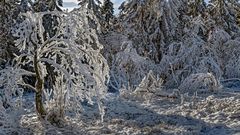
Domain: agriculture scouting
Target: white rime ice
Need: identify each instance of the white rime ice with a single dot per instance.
(158, 67)
(81, 72)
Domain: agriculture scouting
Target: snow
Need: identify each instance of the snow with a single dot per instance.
(215, 114)
(160, 67)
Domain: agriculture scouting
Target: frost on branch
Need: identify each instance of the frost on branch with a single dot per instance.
(151, 25)
(12, 85)
(199, 81)
(186, 58)
(129, 68)
(7, 119)
(80, 71)
(149, 86)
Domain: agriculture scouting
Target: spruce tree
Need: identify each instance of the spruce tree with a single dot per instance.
(151, 25)
(24, 5)
(8, 12)
(224, 12)
(49, 20)
(93, 5)
(107, 10)
(196, 7)
(47, 5)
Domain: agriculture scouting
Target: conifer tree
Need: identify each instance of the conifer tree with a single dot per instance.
(196, 7)
(24, 5)
(8, 12)
(45, 5)
(151, 25)
(49, 20)
(107, 10)
(224, 12)
(93, 5)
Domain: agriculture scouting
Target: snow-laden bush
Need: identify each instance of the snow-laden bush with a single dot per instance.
(230, 60)
(199, 81)
(150, 83)
(6, 122)
(232, 68)
(11, 83)
(149, 86)
(227, 52)
(186, 58)
(129, 68)
(80, 71)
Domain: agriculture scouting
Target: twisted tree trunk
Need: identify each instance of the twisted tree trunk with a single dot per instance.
(39, 87)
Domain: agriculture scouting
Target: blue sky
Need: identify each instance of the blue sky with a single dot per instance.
(117, 3)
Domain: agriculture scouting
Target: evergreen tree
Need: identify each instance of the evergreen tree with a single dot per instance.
(93, 5)
(8, 12)
(107, 10)
(24, 5)
(47, 5)
(151, 25)
(49, 20)
(196, 7)
(224, 13)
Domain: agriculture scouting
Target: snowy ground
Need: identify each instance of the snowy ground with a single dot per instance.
(207, 113)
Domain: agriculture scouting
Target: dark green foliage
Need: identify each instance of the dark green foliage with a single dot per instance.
(47, 5)
(91, 4)
(8, 12)
(196, 7)
(224, 13)
(24, 5)
(107, 10)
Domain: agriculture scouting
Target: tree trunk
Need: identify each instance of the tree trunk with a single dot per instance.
(39, 104)
(39, 87)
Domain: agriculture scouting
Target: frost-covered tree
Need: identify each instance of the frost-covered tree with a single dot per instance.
(196, 7)
(24, 5)
(107, 10)
(223, 37)
(44, 5)
(176, 39)
(74, 54)
(93, 5)
(151, 25)
(49, 21)
(224, 12)
(129, 68)
(8, 12)
(199, 81)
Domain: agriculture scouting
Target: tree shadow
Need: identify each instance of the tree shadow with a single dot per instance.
(136, 119)
(125, 117)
